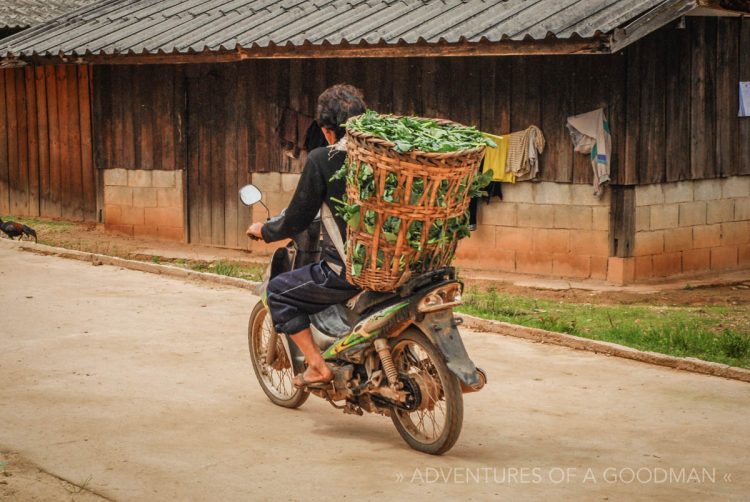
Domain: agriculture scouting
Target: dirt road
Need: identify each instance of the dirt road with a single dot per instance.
(141, 385)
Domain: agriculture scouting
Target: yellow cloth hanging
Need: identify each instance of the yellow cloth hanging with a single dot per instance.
(495, 159)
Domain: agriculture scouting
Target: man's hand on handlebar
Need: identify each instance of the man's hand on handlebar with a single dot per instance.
(254, 231)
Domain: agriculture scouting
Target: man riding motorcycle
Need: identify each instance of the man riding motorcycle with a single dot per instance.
(296, 295)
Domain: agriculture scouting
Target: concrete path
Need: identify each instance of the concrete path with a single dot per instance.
(143, 384)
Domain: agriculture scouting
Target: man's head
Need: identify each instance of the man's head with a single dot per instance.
(336, 105)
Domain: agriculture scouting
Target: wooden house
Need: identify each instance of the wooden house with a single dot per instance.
(149, 115)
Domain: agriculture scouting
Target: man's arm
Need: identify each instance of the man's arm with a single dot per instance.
(307, 199)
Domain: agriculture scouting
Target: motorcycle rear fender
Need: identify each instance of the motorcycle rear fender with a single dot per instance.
(441, 328)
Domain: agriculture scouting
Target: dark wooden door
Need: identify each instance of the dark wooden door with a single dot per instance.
(216, 156)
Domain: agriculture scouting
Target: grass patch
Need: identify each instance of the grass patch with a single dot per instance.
(713, 333)
(227, 268)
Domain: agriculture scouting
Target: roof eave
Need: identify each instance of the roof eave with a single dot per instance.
(548, 46)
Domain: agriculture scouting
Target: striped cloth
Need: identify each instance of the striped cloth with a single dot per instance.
(523, 154)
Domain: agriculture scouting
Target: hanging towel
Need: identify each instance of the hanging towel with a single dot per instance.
(496, 159)
(590, 134)
(523, 153)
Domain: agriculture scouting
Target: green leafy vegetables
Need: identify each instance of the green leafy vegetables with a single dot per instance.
(439, 241)
(411, 133)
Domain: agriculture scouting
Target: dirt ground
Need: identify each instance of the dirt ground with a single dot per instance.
(139, 387)
(93, 238)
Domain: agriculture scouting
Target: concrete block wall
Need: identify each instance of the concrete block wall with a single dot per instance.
(691, 227)
(144, 203)
(541, 228)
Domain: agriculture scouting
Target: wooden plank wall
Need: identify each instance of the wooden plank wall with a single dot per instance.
(671, 100)
(46, 166)
(682, 100)
(139, 117)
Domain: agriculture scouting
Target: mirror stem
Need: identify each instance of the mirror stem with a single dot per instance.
(268, 211)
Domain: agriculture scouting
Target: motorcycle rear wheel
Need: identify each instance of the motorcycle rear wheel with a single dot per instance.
(274, 379)
(435, 425)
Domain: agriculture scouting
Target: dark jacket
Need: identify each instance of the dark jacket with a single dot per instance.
(314, 188)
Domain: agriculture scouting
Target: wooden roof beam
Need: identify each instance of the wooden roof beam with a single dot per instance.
(551, 46)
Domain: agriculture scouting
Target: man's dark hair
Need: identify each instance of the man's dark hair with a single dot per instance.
(337, 104)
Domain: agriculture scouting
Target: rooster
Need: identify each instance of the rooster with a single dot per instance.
(13, 229)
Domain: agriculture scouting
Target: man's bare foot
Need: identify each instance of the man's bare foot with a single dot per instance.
(314, 375)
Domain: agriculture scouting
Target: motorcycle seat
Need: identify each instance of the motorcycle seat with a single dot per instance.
(367, 299)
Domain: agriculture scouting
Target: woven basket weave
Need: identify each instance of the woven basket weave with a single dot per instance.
(445, 178)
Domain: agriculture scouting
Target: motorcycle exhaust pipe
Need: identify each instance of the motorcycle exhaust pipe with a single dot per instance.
(478, 386)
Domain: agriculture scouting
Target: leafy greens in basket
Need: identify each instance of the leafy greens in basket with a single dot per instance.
(411, 133)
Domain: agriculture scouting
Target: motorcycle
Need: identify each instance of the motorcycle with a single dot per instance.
(398, 354)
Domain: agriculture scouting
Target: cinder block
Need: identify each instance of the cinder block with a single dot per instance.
(735, 233)
(719, 211)
(139, 178)
(112, 215)
(664, 216)
(742, 208)
(677, 239)
(667, 264)
(724, 258)
(648, 243)
(503, 260)
(736, 186)
(168, 197)
(599, 267)
(571, 265)
(267, 182)
(289, 182)
(277, 201)
(579, 217)
(682, 191)
(583, 195)
(144, 231)
(551, 193)
(707, 189)
(534, 263)
(518, 192)
(548, 240)
(620, 271)
(744, 256)
(642, 218)
(120, 229)
(644, 267)
(171, 233)
(517, 239)
(144, 197)
(536, 215)
(696, 260)
(692, 213)
(600, 218)
(163, 216)
(649, 195)
(481, 241)
(115, 177)
(498, 213)
(590, 242)
(165, 179)
(708, 236)
(118, 196)
(132, 215)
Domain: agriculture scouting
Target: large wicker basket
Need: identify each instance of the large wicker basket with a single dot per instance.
(431, 192)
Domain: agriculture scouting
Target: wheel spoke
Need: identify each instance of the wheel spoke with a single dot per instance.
(425, 423)
(279, 381)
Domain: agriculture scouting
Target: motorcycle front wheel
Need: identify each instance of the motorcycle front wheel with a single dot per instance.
(275, 378)
(434, 426)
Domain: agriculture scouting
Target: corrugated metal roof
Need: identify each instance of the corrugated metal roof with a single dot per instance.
(169, 26)
(25, 13)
